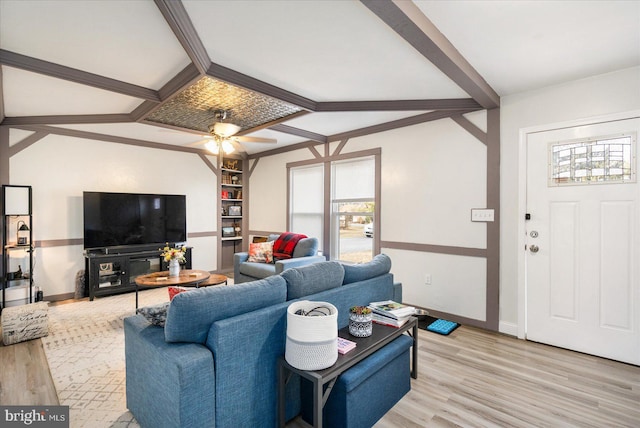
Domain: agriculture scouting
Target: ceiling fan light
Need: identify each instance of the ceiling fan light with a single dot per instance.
(225, 129)
(212, 146)
(227, 147)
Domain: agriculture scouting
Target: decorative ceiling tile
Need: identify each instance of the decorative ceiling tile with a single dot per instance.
(194, 108)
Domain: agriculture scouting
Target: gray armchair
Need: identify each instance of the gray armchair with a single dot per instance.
(304, 253)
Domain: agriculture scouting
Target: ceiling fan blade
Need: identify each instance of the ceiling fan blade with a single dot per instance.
(255, 140)
(200, 142)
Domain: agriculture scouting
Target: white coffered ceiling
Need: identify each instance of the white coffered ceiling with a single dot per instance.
(106, 66)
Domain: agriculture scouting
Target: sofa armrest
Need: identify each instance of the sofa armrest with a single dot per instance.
(281, 265)
(168, 384)
(397, 292)
(237, 259)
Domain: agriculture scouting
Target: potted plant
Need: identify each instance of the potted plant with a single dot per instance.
(360, 321)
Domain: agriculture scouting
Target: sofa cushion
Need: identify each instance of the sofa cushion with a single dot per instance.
(257, 270)
(156, 314)
(191, 314)
(311, 279)
(306, 247)
(379, 265)
(261, 252)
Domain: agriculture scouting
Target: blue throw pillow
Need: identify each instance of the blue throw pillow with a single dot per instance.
(311, 279)
(379, 265)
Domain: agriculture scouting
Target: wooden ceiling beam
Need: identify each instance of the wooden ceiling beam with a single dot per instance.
(400, 123)
(236, 78)
(23, 62)
(299, 132)
(406, 19)
(398, 105)
(180, 23)
(66, 119)
(108, 138)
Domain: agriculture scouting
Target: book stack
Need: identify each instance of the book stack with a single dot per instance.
(345, 345)
(391, 313)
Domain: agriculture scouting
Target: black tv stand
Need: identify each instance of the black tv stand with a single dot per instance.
(113, 270)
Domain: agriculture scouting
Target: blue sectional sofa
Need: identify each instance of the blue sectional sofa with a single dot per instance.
(214, 363)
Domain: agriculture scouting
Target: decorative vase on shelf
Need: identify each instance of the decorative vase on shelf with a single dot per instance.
(360, 321)
(174, 267)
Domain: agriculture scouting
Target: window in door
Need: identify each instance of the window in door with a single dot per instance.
(597, 160)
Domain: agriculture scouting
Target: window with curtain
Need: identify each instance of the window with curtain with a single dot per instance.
(307, 201)
(352, 205)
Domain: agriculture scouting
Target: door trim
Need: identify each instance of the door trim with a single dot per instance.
(522, 197)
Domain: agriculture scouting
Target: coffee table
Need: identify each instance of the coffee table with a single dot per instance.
(187, 278)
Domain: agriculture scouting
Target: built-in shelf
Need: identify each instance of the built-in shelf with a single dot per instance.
(231, 193)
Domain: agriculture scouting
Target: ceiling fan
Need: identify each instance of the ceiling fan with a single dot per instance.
(222, 135)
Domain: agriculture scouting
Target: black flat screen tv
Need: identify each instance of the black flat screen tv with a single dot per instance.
(128, 219)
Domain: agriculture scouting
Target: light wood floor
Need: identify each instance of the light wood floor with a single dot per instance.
(472, 378)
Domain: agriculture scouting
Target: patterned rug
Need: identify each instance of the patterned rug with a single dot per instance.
(85, 351)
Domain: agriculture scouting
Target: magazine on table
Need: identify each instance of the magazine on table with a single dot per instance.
(345, 345)
(392, 309)
(391, 322)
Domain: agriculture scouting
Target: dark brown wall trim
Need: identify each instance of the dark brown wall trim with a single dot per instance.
(471, 128)
(46, 243)
(202, 234)
(439, 249)
(109, 138)
(26, 142)
(60, 297)
(359, 154)
(207, 162)
(4, 155)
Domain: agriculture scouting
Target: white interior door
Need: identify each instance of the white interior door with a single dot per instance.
(582, 274)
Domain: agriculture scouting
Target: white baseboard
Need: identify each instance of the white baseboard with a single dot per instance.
(508, 328)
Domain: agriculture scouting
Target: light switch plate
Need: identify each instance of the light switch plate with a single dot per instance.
(482, 214)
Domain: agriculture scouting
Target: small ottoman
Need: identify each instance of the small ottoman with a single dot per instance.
(368, 390)
(25, 322)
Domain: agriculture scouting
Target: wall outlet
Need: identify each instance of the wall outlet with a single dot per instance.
(427, 279)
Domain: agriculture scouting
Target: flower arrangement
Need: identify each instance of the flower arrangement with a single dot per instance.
(169, 253)
(360, 310)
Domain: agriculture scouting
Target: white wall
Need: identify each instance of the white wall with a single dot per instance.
(432, 175)
(606, 94)
(60, 168)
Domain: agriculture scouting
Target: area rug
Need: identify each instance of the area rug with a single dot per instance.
(85, 351)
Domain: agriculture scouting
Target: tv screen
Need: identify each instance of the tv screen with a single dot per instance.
(118, 219)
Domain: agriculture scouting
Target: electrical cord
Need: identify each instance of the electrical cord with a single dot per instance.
(317, 311)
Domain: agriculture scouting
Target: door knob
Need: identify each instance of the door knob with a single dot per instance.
(534, 248)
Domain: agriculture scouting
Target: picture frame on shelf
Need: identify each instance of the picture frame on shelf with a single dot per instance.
(228, 231)
(235, 210)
